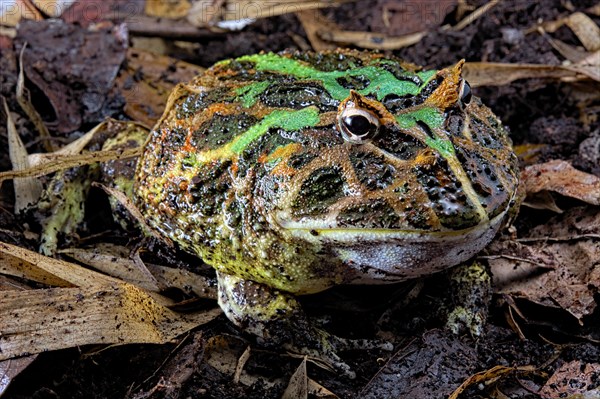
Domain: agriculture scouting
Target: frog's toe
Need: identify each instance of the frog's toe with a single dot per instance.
(462, 320)
(330, 345)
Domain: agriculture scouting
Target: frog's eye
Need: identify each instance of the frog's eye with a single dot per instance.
(358, 125)
(465, 92)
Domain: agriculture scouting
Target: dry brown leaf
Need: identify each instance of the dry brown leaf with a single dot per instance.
(319, 391)
(562, 178)
(100, 309)
(556, 265)
(53, 8)
(115, 261)
(71, 162)
(208, 13)
(297, 387)
(167, 8)
(499, 74)
(312, 21)
(585, 29)
(488, 375)
(571, 379)
(27, 190)
(146, 98)
(36, 321)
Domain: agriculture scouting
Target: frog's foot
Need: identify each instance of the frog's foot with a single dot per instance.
(277, 319)
(471, 290)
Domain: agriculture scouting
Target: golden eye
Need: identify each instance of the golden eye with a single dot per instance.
(358, 125)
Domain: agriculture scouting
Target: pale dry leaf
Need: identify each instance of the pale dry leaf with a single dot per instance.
(27, 189)
(71, 162)
(585, 29)
(100, 310)
(562, 178)
(46, 270)
(35, 321)
(122, 267)
(319, 391)
(571, 53)
(72, 148)
(114, 260)
(500, 74)
(297, 387)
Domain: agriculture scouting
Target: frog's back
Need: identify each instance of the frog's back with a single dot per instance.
(305, 170)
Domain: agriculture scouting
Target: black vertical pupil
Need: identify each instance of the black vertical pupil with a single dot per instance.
(466, 94)
(358, 124)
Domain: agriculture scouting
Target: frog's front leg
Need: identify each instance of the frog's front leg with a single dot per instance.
(471, 291)
(277, 319)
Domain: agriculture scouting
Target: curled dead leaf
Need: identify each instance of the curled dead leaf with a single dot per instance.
(562, 178)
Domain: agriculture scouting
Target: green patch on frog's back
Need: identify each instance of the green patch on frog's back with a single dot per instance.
(286, 119)
(381, 81)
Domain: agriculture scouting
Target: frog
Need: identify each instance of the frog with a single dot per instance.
(294, 172)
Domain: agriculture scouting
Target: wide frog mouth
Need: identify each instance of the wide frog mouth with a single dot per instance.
(380, 256)
(321, 232)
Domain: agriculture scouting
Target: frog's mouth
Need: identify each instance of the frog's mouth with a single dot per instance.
(313, 229)
(391, 255)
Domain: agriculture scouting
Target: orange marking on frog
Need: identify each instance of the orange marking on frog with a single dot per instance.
(446, 95)
(282, 154)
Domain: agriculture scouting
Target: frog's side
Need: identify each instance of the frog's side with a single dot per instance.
(291, 173)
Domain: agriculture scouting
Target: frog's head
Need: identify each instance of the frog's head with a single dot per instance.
(404, 151)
